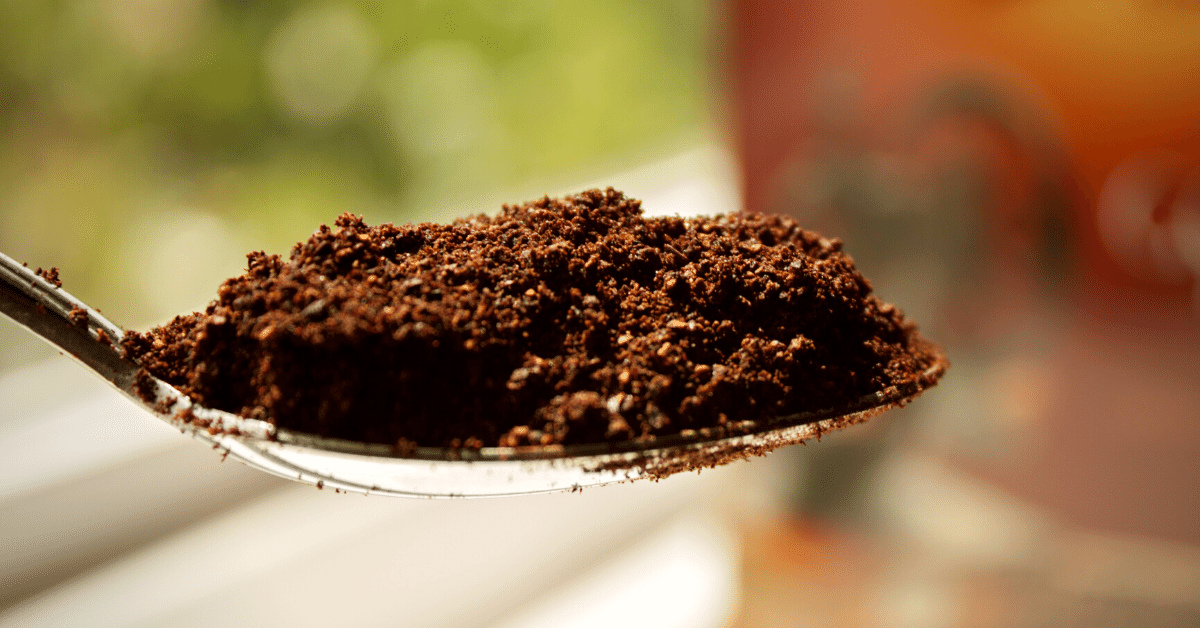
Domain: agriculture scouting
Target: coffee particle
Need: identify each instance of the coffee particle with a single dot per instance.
(78, 317)
(50, 275)
(164, 405)
(143, 386)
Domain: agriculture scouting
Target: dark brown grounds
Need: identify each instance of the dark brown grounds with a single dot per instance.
(50, 276)
(78, 317)
(561, 321)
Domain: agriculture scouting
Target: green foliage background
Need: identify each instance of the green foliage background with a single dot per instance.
(146, 145)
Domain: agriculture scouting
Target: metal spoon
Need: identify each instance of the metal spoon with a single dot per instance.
(81, 332)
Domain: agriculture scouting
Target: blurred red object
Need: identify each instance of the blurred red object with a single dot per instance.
(1113, 84)
(1012, 161)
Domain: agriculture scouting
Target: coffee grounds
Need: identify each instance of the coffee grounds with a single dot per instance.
(78, 317)
(50, 275)
(559, 321)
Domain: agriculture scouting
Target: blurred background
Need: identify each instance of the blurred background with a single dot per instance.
(1021, 177)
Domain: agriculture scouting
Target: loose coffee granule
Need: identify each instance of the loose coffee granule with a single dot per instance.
(78, 317)
(559, 321)
(50, 276)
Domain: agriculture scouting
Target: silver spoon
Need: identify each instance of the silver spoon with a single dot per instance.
(80, 331)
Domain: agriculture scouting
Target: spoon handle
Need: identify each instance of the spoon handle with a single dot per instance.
(48, 312)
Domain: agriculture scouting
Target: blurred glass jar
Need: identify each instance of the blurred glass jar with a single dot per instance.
(1059, 112)
(1023, 179)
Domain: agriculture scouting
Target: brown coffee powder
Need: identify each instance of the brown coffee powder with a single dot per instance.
(50, 275)
(560, 321)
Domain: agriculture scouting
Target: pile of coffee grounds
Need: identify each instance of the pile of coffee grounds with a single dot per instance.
(559, 321)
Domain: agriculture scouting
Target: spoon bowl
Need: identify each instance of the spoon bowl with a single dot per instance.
(436, 472)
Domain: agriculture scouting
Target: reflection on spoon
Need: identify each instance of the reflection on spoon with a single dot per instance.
(92, 340)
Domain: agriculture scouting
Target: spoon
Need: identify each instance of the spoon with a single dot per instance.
(92, 340)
